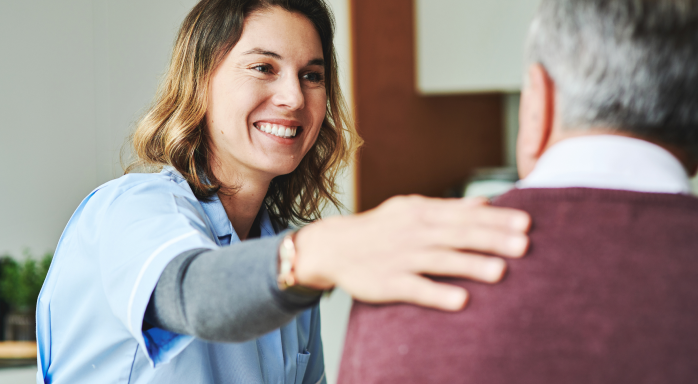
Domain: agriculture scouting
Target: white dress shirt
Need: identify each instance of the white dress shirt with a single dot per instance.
(609, 162)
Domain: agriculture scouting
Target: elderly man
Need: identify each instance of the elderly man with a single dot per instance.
(609, 290)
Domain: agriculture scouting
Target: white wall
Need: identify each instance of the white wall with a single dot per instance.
(471, 45)
(47, 134)
(75, 75)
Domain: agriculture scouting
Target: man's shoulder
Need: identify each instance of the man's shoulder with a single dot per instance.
(562, 215)
(599, 261)
(540, 198)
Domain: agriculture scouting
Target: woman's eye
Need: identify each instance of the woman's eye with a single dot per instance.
(262, 68)
(314, 77)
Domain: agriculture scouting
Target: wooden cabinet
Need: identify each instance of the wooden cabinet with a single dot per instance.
(414, 143)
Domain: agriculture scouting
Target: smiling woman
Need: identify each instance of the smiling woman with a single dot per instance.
(255, 57)
(275, 78)
(191, 275)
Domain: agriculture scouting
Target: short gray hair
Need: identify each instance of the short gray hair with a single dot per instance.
(627, 65)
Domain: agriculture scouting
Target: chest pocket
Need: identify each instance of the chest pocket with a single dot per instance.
(301, 364)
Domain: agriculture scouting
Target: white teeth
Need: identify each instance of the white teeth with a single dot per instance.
(278, 130)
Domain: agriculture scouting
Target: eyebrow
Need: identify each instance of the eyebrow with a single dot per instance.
(320, 62)
(260, 51)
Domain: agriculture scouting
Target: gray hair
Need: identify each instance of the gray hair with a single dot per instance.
(626, 65)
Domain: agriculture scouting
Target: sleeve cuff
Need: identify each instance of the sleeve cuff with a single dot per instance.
(290, 300)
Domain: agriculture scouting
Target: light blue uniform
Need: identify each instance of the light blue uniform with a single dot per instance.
(108, 261)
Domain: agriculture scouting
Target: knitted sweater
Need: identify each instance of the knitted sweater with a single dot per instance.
(608, 293)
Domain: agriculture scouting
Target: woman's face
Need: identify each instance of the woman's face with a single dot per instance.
(267, 97)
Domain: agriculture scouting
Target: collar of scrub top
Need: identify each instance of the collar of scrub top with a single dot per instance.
(219, 218)
(224, 229)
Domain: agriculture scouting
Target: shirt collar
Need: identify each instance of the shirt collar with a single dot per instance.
(219, 218)
(609, 162)
(221, 224)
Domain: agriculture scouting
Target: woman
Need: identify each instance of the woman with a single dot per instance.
(151, 282)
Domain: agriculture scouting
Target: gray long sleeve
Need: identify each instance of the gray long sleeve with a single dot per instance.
(225, 295)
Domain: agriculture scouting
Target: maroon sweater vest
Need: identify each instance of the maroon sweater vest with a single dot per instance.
(608, 293)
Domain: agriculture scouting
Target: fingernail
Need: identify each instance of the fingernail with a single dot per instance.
(518, 245)
(520, 222)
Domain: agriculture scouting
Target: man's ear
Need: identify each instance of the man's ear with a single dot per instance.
(693, 170)
(536, 118)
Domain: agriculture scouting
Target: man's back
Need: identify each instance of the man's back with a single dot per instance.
(607, 294)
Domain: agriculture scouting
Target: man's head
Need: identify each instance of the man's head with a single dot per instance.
(626, 67)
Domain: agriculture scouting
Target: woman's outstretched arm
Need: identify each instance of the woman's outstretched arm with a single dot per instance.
(226, 295)
(380, 256)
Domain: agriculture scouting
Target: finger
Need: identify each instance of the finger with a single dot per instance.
(421, 291)
(480, 240)
(499, 217)
(475, 201)
(448, 213)
(459, 264)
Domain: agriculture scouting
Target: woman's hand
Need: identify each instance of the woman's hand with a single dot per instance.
(380, 256)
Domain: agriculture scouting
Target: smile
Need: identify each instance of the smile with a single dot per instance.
(277, 130)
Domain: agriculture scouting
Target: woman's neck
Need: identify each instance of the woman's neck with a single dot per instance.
(242, 198)
(242, 207)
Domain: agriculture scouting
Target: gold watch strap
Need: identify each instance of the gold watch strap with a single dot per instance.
(287, 261)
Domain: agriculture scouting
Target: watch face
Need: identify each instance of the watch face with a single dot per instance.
(287, 257)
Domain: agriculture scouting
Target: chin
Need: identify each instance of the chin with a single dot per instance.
(280, 171)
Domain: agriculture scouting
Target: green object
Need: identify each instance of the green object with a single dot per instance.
(20, 282)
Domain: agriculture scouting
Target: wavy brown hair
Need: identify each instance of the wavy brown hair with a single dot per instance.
(173, 132)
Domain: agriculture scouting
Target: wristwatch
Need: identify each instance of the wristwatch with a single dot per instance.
(287, 262)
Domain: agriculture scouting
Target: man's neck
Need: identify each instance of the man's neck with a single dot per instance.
(560, 134)
(608, 162)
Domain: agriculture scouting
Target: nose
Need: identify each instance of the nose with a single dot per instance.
(289, 94)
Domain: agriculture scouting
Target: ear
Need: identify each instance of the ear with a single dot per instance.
(536, 116)
(693, 170)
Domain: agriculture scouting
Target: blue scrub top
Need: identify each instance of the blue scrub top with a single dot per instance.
(107, 263)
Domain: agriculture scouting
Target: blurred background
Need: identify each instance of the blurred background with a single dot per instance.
(434, 86)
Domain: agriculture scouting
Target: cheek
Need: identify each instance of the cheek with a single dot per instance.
(233, 99)
(316, 109)
(317, 106)
(245, 100)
